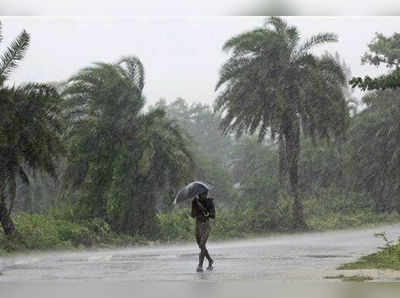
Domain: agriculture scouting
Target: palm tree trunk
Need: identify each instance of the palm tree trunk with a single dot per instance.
(292, 153)
(5, 219)
(282, 160)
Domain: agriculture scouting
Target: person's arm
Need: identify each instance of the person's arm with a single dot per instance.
(212, 209)
(193, 213)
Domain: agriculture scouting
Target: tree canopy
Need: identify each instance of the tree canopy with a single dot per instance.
(382, 50)
(272, 83)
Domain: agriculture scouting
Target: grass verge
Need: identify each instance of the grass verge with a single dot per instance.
(353, 278)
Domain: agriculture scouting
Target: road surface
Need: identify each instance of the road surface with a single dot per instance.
(309, 256)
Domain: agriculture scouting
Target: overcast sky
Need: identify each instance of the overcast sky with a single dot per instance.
(181, 55)
(198, 8)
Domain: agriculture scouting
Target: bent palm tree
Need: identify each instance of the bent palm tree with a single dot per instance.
(119, 155)
(272, 83)
(29, 130)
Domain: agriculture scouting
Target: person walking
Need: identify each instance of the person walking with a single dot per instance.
(202, 210)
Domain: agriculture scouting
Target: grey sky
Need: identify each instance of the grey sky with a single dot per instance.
(182, 56)
(197, 8)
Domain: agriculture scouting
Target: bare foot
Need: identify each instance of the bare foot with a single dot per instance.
(210, 265)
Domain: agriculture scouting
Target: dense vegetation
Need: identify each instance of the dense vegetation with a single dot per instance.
(85, 163)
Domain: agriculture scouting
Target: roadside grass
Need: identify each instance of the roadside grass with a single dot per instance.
(44, 232)
(336, 221)
(388, 257)
(385, 259)
(357, 278)
(353, 278)
(334, 276)
(55, 232)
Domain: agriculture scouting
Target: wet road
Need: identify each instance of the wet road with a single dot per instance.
(302, 257)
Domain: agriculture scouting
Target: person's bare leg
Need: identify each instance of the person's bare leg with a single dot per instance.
(201, 261)
(201, 254)
(210, 260)
(207, 255)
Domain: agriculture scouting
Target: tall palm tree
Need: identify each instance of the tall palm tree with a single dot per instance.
(272, 83)
(119, 155)
(29, 129)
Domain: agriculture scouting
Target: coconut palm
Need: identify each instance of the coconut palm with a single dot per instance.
(272, 83)
(29, 130)
(99, 103)
(120, 157)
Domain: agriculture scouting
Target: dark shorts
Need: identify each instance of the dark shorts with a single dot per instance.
(202, 232)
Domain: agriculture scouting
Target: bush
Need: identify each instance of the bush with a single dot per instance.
(236, 223)
(41, 231)
(175, 226)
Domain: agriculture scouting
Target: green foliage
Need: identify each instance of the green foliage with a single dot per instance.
(211, 150)
(30, 130)
(264, 66)
(13, 54)
(41, 231)
(387, 258)
(235, 223)
(334, 221)
(357, 278)
(120, 159)
(176, 225)
(384, 50)
(383, 82)
(373, 146)
(273, 84)
(352, 278)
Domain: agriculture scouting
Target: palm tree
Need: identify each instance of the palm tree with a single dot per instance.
(119, 155)
(29, 130)
(99, 103)
(273, 84)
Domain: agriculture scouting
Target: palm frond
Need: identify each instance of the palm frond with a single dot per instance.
(317, 39)
(135, 70)
(247, 41)
(1, 32)
(278, 24)
(232, 68)
(14, 53)
(332, 68)
(293, 37)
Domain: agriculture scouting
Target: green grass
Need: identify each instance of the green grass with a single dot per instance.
(335, 221)
(334, 276)
(353, 278)
(54, 231)
(387, 258)
(357, 278)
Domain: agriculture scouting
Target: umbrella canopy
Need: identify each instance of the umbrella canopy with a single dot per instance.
(191, 190)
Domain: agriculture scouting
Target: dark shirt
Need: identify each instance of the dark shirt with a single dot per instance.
(207, 205)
